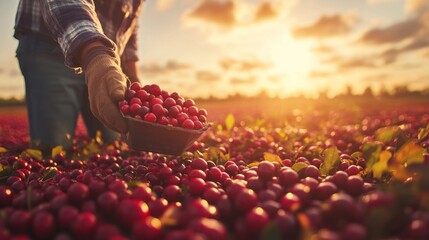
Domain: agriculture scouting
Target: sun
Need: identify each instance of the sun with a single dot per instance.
(292, 59)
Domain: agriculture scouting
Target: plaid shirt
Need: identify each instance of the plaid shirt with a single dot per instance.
(74, 23)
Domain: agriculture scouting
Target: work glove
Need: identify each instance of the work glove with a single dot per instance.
(106, 86)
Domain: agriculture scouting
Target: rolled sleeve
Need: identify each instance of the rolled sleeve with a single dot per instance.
(73, 24)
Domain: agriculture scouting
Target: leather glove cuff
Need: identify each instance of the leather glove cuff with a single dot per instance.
(95, 51)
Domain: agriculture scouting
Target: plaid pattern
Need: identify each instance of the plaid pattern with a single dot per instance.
(74, 23)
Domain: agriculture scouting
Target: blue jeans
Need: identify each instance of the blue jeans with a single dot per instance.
(55, 95)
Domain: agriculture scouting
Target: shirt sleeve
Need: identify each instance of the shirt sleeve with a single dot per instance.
(73, 24)
(130, 53)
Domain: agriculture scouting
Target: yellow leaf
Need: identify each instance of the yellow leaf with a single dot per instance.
(57, 150)
(253, 164)
(409, 153)
(381, 166)
(2, 150)
(270, 157)
(229, 121)
(37, 154)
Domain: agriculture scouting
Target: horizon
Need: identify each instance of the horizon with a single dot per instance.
(287, 49)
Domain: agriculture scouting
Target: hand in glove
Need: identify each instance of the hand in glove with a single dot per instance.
(106, 86)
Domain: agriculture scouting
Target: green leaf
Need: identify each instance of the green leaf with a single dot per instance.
(270, 157)
(229, 121)
(387, 134)
(371, 154)
(409, 153)
(332, 160)
(423, 133)
(299, 166)
(5, 172)
(271, 231)
(52, 171)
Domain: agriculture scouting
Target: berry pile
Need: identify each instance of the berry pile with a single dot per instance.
(150, 103)
(366, 180)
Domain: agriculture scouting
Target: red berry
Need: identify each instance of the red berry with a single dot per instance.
(188, 123)
(290, 202)
(173, 122)
(211, 229)
(155, 100)
(266, 170)
(142, 95)
(150, 117)
(172, 193)
(198, 125)
(107, 201)
(158, 110)
(78, 192)
(130, 211)
(84, 225)
(169, 102)
(149, 228)
(196, 186)
(256, 220)
(43, 225)
(135, 100)
(125, 109)
(66, 216)
(202, 112)
(181, 117)
(155, 90)
(188, 103)
(135, 86)
(199, 163)
(246, 200)
(134, 109)
(193, 111)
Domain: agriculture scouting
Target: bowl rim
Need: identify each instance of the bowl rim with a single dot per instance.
(170, 127)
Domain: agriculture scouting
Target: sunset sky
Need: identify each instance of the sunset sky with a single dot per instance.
(288, 47)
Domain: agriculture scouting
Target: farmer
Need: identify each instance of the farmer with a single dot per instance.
(59, 39)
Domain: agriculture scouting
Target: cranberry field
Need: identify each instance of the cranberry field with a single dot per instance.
(270, 169)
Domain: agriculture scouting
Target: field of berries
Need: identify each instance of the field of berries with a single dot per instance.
(266, 169)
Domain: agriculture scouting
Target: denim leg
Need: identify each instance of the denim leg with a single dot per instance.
(51, 93)
(55, 95)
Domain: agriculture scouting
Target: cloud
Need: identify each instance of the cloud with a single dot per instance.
(274, 79)
(243, 80)
(323, 49)
(390, 56)
(164, 4)
(416, 5)
(320, 74)
(160, 69)
(218, 13)
(265, 11)
(354, 63)
(230, 64)
(207, 76)
(377, 78)
(227, 15)
(372, 2)
(326, 27)
(392, 34)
